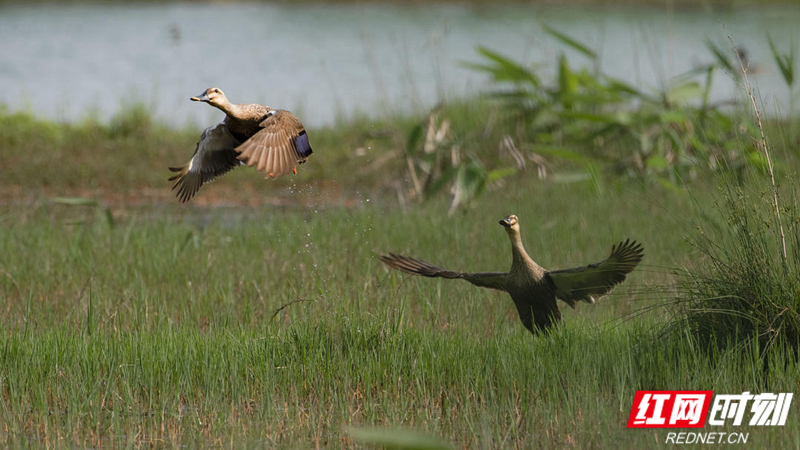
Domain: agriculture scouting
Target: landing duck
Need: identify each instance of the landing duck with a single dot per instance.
(272, 140)
(533, 288)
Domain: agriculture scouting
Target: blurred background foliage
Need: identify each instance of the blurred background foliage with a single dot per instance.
(589, 125)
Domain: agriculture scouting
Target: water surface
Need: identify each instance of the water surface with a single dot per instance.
(329, 62)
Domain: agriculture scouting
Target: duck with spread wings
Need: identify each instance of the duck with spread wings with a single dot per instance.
(271, 140)
(533, 288)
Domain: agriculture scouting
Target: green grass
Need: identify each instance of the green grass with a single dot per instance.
(155, 328)
(747, 290)
(232, 264)
(129, 319)
(299, 385)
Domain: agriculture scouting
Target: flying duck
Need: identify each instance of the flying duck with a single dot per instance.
(272, 140)
(533, 288)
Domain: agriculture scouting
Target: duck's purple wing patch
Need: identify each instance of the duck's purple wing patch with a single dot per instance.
(302, 145)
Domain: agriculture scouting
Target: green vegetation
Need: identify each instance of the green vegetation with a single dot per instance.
(746, 292)
(596, 125)
(156, 328)
(300, 385)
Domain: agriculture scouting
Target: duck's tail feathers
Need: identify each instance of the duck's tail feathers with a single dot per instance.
(303, 146)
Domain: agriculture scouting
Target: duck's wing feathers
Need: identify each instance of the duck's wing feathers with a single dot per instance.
(493, 280)
(213, 157)
(588, 283)
(278, 147)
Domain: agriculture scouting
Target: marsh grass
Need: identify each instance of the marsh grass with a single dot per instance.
(126, 319)
(302, 384)
(745, 291)
(195, 262)
(157, 329)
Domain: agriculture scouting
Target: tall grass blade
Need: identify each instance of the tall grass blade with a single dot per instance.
(570, 42)
(722, 58)
(504, 69)
(785, 62)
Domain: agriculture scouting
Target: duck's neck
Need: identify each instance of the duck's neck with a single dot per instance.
(520, 258)
(517, 250)
(228, 108)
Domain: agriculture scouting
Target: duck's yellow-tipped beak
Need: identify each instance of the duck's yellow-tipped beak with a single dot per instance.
(505, 222)
(201, 98)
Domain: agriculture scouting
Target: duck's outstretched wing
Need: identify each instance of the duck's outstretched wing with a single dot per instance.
(278, 147)
(588, 283)
(213, 157)
(493, 280)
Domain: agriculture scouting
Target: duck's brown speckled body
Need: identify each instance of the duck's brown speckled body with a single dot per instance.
(533, 288)
(244, 120)
(527, 280)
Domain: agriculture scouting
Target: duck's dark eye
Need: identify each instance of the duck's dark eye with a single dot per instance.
(216, 90)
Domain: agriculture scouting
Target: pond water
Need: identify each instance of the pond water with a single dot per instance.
(330, 62)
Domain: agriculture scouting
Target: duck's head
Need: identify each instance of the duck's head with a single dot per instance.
(213, 96)
(511, 223)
